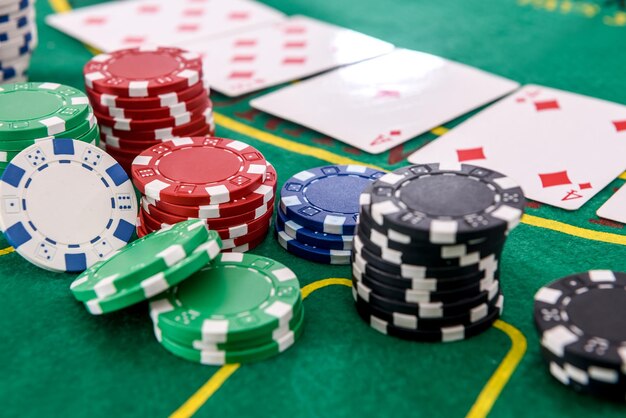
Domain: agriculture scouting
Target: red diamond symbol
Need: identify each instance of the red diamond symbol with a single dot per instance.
(395, 132)
(520, 100)
(470, 154)
(388, 93)
(188, 27)
(243, 58)
(554, 179)
(584, 186)
(241, 74)
(193, 12)
(546, 105)
(148, 8)
(295, 29)
(295, 44)
(620, 125)
(245, 42)
(134, 40)
(238, 15)
(95, 20)
(294, 60)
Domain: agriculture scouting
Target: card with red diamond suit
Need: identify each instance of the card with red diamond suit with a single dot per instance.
(132, 23)
(296, 48)
(380, 103)
(614, 208)
(561, 147)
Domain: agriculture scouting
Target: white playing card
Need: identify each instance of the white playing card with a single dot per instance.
(131, 23)
(380, 103)
(299, 47)
(614, 208)
(561, 147)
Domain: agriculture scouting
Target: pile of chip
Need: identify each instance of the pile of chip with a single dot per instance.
(18, 39)
(33, 112)
(319, 211)
(238, 309)
(143, 96)
(425, 260)
(226, 183)
(580, 319)
(66, 204)
(207, 307)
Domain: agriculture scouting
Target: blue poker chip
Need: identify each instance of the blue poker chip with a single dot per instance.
(313, 238)
(17, 24)
(7, 12)
(66, 205)
(326, 199)
(318, 255)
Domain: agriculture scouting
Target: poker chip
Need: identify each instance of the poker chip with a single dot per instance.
(158, 283)
(425, 259)
(326, 199)
(225, 312)
(176, 171)
(140, 259)
(143, 72)
(66, 205)
(145, 96)
(319, 209)
(579, 319)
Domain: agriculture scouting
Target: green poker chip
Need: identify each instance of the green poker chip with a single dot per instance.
(87, 131)
(142, 258)
(246, 355)
(236, 297)
(160, 282)
(253, 341)
(37, 110)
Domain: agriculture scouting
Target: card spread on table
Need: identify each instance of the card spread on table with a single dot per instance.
(561, 147)
(299, 47)
(614, 208)
(126, 24)
(380, 103)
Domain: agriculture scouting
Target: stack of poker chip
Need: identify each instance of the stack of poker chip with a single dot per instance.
(143, 96)
(319, 210)
(238, 309)
(580, 320)
(67, 204)
(425, 261)
(18, 39)
(34, 112)
(226, 183)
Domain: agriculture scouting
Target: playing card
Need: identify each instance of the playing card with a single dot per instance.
(299, 47)
(380, 103)
(131, 23)
(615, 208)
(561, 147)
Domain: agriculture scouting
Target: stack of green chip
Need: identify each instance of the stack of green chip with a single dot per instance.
(240, 308)
(30, 112)
(147, 267)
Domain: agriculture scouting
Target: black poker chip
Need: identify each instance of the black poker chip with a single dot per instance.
(581, 318)
(433, 285)
(434, 257)
(444, 334)
(444, 205)
(421, 296)
(411, 271)
(428, 309)
(405, 321)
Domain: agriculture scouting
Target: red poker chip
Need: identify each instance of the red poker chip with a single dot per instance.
(141, 231)
(163, 133)
(243, 244)
(115, 143)
(260, 196)
(152, 224)
(199, 170)
(201, 101)
(143, 72)
(131, 125)
(162, 100)
(213, 223)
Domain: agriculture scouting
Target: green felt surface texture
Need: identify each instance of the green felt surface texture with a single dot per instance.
(58, 360)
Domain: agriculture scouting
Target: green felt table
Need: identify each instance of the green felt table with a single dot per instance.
(58, 360)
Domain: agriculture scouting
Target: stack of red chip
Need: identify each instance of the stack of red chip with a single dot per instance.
(227, 183)
(143, 96)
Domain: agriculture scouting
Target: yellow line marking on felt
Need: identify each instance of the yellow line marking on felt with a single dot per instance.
(7, 250)
(498, 380)
(576, 231)
(481, 407)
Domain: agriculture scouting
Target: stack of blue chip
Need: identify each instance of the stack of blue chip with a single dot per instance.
(18, 39)
(319, 210)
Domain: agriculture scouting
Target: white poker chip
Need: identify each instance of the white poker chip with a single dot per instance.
(66, 205)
